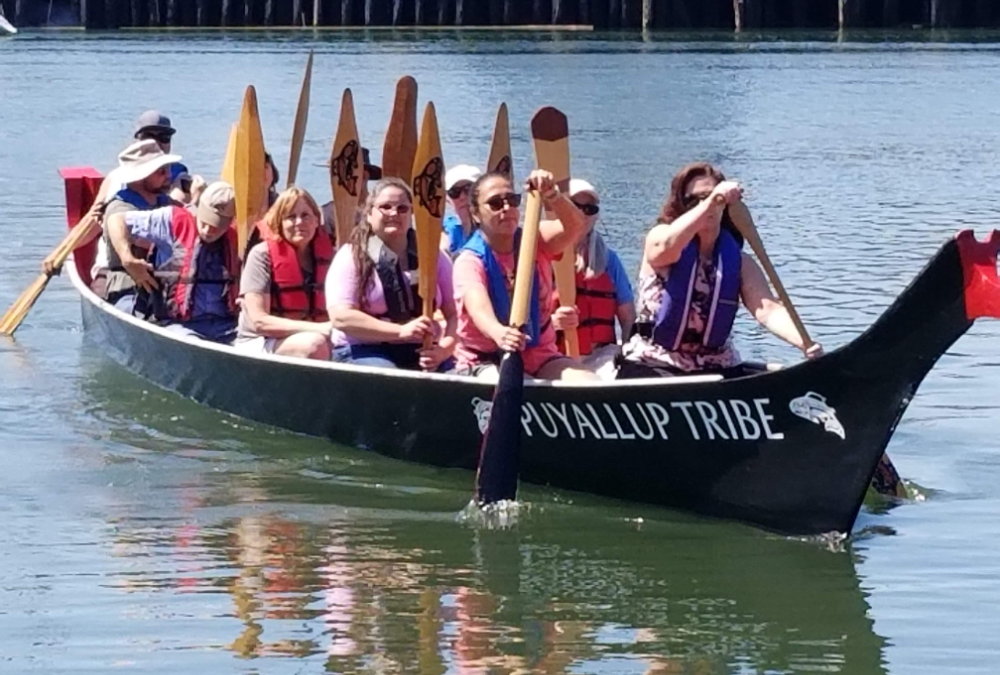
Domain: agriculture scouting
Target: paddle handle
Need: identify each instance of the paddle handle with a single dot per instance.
(743, 221)
(565, 273)
(526, 261)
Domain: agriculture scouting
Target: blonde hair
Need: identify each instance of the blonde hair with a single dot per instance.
(283, 206)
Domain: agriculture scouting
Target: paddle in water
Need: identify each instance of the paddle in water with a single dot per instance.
(400, 145)
(428, 209)
(251, 193)
(500, 453)
(345, 171)
(550, 131)
(886, 480)
(500, 159)
(299, 129)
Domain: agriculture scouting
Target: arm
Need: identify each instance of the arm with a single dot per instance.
(758, 299)
(665, 242)
(118, 234)
(556, 236)
(626, 319)
(258, 307)
(365, 327)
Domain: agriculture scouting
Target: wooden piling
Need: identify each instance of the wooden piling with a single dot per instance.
(647, 14)
(317, 13)
(738, 15)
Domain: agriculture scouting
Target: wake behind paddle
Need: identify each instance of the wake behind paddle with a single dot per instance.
(500, 453)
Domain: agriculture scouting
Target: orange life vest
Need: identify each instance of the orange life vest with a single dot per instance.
(597, 305)
(291, 297)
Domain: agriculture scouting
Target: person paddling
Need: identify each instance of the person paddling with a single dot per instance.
(484, 274)
(372, 288)
(603, 290)
(693, 276)
(192, 282)
(283, 308)
(144, 169)
(458, 224)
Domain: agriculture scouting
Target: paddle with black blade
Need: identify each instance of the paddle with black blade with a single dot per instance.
(499, 456)
(428, 197)
(345, 171)
(886, 480)
(550, 131)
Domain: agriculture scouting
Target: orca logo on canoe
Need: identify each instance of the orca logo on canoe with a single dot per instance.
(427, 187)
(343, 168)
(814, 408)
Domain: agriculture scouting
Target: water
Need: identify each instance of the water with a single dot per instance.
(144, 533)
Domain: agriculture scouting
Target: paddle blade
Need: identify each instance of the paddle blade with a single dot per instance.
(251, 192)
(18, 311)
(400, 145)
(229, 163)
(299, 130)
(500, 156)
(345, 170)
(428, 203)
(500, 453)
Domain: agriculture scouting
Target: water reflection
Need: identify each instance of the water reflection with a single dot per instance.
(292, 565)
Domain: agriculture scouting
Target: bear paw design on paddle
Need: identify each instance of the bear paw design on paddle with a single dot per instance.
(814, 408)
(482, 408)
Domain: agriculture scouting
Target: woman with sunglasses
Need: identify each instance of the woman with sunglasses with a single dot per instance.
(372, 289)
(484, 279)
(693, 276)
(458, 225)
(603, 289)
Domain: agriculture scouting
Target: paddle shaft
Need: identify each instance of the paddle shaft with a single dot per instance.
(299, 130)
(499, 457)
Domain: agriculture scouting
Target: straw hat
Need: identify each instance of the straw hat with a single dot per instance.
(141, 160)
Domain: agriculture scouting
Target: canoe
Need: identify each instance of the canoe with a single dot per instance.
(791, 451)
(6, 28)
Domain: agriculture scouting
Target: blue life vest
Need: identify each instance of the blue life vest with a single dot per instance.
(452, 227)
(496, 285)
(130, 196)
(724, 291)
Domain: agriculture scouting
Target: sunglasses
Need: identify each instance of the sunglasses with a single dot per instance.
(459, 190)
(692, 200)
(401, 209)
(163, 139)
(511, 199)
(588, 209)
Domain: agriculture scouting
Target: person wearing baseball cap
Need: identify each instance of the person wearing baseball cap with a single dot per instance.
(603, 290)
(191, 284)
(458, 225)
(154, 125)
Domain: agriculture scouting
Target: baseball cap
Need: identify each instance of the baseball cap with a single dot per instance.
(217, 205)
(462, 173)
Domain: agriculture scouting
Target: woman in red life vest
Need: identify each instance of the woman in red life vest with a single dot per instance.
(484, 277)
(372, 292)
(283, 306)
(693, 276)
(603, 290)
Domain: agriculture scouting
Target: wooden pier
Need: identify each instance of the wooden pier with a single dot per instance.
(737, 15)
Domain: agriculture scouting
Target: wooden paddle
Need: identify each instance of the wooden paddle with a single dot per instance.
(229, 162)
(345, 171)
(81, 230)
(550, 131)
(499, 456)
(428, 203)
(500, 160)
(400, 145)
(248, 177)
(887, 480)
(299, 130)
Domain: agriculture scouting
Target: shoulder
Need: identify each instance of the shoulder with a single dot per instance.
(259, 255)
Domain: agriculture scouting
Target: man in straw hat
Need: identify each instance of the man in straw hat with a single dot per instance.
(192, 284)
(144, 170)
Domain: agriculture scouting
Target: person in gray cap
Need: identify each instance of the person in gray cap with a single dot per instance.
(192, 283)
(154, 125)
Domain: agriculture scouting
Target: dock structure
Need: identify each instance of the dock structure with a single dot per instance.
(737, 15)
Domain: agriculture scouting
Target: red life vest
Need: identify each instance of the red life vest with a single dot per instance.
(180, 274)
(290, 296)
(597, 304)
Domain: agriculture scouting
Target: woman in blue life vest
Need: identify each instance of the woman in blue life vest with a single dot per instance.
(693, 276)
(458, 225)
(283, 309)
(603, 290)
(372, 290)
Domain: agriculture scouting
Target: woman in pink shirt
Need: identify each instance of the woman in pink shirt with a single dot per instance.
(484, 276)
(371, 289)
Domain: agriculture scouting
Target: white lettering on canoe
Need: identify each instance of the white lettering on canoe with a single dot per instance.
(713, 420)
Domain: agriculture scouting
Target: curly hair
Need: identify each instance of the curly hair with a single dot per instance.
(361, 235)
